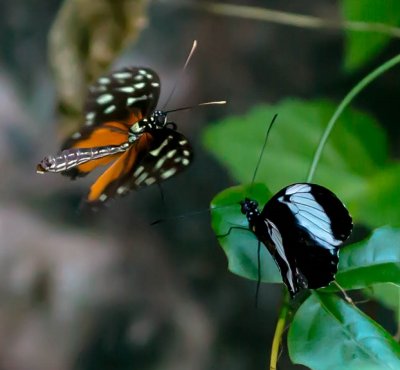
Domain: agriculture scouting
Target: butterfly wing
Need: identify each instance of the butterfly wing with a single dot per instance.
(153, 158)
(306, 223)
(126, 95)
(109, 134)
(114, 103)
(169, 153)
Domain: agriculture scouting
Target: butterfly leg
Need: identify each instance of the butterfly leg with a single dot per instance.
(345, 295)
(162, 195)
(232, 228)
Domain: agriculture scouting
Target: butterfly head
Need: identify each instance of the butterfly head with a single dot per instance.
(156, 121)
(249, 207)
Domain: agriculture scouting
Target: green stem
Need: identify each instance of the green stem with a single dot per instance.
(345, 102)
(280, 327)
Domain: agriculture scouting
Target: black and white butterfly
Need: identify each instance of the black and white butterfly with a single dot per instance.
(303, 227)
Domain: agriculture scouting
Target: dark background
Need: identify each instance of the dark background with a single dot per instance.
(107, 290)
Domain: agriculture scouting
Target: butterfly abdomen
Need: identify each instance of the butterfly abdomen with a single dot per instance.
(69, 158)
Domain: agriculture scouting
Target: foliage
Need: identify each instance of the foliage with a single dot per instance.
(354, 341)
(361, 47)
(356, 166)
(371, 261)
(355, 163)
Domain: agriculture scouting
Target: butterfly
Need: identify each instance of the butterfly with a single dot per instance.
(122, 126)
(303, 227)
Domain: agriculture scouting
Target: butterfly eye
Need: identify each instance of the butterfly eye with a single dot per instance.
(160, 118)
(244, 204)
(248, 206)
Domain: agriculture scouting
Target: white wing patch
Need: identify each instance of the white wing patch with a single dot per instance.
(298, 188)
(278, 243)
(310, 215)
(156, 152)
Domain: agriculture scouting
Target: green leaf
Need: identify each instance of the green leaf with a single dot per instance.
(361, 47)
(329, 334)
(240, 245)
(354, 164)
(371, 261)
(380, 198)
(357, 145)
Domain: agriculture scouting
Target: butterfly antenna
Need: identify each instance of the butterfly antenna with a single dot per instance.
(162, 195)
(161, 220)
(189, 214)
(178, 80)
(263, 148)
(198, 105)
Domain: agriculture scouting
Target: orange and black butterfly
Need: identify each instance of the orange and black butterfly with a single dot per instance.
(122, 126)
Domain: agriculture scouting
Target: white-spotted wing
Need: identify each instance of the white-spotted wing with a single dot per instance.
(114, 104)
(126, 95)
(155, 157)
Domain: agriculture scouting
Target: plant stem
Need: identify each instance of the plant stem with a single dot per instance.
(280, 327)
(288, 19)
(345, 102)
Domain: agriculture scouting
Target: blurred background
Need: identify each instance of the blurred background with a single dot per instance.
(107, 290)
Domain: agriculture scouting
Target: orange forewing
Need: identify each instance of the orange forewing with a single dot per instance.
(117, 173)
(111, 133)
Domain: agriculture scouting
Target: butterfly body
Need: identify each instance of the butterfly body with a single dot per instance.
(122, 126)
(302, 226)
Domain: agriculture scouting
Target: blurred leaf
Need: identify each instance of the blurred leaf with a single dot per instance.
(371, 261)
(360, 47)
(329, 334)
(86, 37)
(351, 164)
(387, 294)
(356, 147)
(240, 246)
(380, 198)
